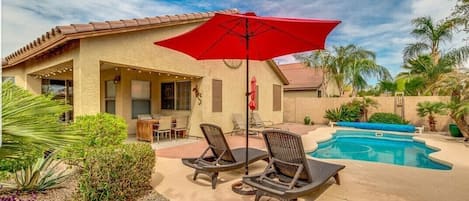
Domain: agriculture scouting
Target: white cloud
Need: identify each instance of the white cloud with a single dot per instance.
(23, 21)
(380, 26)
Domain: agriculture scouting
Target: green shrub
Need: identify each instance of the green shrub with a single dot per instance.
(120, 172)
(99, 130)
(388, 118)
(346, 112)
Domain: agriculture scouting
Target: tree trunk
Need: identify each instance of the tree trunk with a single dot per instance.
(462, 125)
(432, 123)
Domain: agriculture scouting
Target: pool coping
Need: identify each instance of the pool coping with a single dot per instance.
(312, 138)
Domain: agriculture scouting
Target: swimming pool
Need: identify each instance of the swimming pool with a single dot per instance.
(378, 147)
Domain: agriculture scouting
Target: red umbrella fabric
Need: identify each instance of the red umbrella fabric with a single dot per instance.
(252, 103)
(224, 37)
(247, 36)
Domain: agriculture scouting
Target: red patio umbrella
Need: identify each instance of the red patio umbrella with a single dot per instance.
(247, 36)
(252, 103)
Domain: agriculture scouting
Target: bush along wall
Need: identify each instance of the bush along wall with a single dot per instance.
(100, 130)
(120, 172)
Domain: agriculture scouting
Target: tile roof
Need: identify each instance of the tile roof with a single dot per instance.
(300, 77)
(59, 35)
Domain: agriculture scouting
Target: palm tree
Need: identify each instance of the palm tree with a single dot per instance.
(426, 69)
(346, 65)
(430, 108)
(361, 70)
(430, 35)
(320, 59)
(365, 103)
(460, 15)
(456, 85)
(31, 123)
(387, 86)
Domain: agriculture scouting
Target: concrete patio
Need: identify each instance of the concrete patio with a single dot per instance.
(360, 180)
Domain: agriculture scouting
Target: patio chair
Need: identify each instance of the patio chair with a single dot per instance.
(224, 158)
(257, 122)
(290, 174)
(164, 127)
(239, 125)
(181, 125)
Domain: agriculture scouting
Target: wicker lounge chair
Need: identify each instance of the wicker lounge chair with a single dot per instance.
(224, 158)
(290, 174)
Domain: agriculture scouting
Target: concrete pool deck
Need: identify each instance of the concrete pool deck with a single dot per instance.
(360, 180)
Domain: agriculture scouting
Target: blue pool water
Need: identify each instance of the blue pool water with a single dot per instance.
(384, 148)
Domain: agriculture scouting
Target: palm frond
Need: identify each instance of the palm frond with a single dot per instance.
(31, 122)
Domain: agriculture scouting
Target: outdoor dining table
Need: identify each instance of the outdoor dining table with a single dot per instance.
(145, 128)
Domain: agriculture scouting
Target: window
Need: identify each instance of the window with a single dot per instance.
(61, 90)
(217, 96)
(277, 98)
(110, 97)
(8, 78)
(176, 95)
(167, 96)
(319, 93)
(141, 100)
(183, 95)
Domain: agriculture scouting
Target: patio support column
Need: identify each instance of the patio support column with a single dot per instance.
(86, 86)
(33, 84)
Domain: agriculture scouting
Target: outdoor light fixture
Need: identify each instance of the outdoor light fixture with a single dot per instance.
(117, 79)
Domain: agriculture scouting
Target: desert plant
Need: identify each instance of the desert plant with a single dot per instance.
(364, 104)
(346, 112)
(98, 130)
(430, 108)
(389, 118)
(30, 125)
(40, 176)
(456, 84)
(119, 172)
(307, 120)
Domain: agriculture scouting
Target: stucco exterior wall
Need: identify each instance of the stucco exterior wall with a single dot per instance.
(137, 50)
(297, 108)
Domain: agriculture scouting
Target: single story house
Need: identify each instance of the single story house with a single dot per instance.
(305, 81)
(114, 67)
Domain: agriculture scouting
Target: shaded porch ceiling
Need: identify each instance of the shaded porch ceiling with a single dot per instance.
(105, 65)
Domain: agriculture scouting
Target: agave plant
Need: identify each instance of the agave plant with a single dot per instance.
(40, 176)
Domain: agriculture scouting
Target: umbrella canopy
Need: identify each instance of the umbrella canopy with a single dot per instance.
(226, 36)
(252, 103)
(247, 36)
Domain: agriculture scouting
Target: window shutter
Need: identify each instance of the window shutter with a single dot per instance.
(277, 97)
(217, 95)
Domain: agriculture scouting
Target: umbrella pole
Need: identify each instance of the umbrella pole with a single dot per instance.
(246, 35)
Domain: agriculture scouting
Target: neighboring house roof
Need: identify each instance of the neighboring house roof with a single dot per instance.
(60, 35)
(301, 78)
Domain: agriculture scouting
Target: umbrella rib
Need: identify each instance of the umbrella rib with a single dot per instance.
(281, 31)
(229, 31)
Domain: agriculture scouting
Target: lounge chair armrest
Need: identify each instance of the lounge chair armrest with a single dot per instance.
(204, 162)
(270, 169)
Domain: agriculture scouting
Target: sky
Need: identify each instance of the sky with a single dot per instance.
(380, 26)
